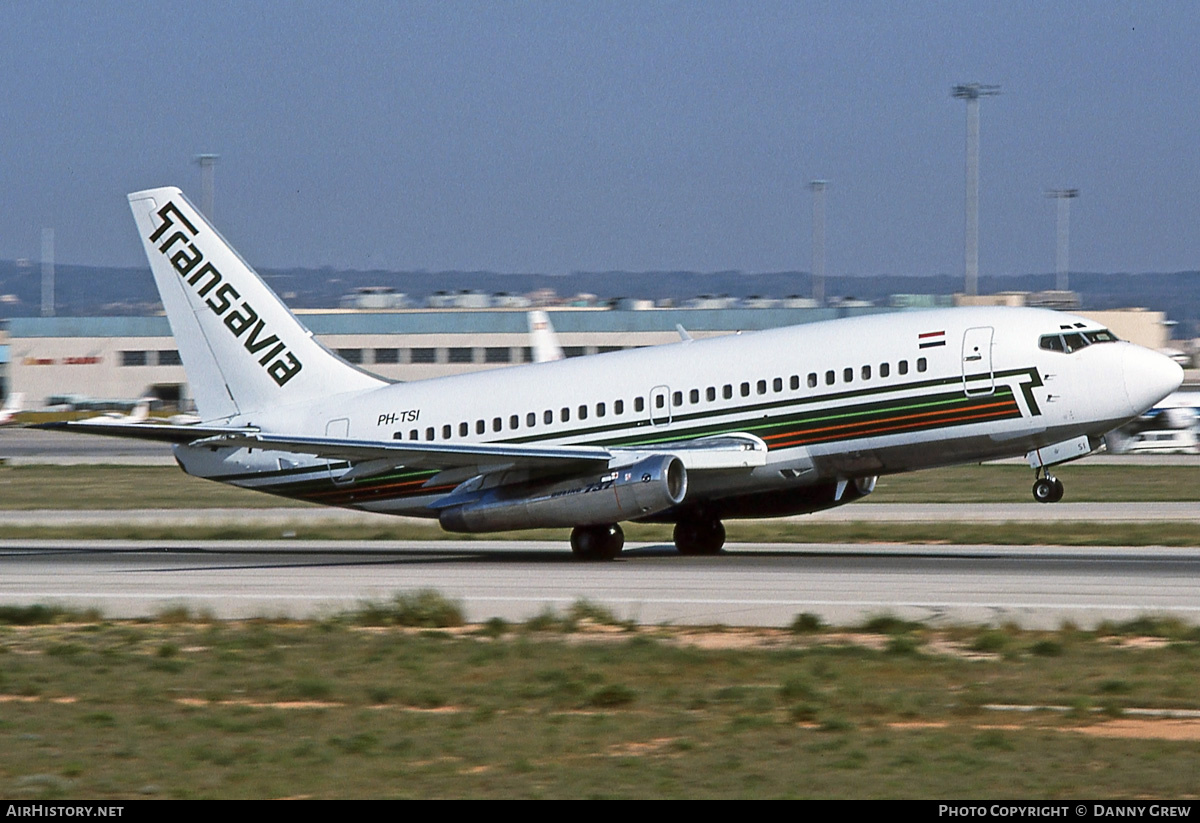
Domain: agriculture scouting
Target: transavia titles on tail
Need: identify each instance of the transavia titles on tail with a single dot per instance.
(778, 422)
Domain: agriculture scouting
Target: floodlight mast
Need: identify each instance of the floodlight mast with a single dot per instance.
(207, 162)
(818, 241)
(1062, 255)
(48, 272)
(971, 92)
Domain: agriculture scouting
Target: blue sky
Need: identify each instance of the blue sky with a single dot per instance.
(560, 136)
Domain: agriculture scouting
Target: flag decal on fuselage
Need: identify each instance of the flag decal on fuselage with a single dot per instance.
(931, 339)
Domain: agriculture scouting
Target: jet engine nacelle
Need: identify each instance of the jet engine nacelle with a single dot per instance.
(648, 486)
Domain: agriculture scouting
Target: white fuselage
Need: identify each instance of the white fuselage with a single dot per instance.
(838, 400)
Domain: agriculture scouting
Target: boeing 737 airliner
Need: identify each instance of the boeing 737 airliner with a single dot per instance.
(778, 422)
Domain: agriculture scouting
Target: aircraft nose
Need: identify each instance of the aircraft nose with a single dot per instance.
(1149, 377)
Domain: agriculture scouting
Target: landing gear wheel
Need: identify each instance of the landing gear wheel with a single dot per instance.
(699, 536)
(597, 542)
(1048, 489)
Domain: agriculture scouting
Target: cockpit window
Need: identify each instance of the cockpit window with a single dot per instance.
(1100, 336)
(1074, 341)
(1051, 342)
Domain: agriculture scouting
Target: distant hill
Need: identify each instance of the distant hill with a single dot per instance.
(91, 290)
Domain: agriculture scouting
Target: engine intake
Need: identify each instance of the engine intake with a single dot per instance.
(640, 490)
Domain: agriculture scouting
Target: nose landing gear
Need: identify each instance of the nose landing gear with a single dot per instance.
(1047, 488)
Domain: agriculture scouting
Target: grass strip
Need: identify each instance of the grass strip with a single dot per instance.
(1017, 534)
(579, 705)
(124, 487)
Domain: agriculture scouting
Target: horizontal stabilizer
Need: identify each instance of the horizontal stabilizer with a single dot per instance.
(162, 432)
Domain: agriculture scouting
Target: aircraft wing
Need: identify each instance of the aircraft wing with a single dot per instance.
(377, 456)
(720, 452)
(736, 450)
(370, 457)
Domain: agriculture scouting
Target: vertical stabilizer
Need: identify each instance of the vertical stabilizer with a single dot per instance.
(545, 341)
(241, 347)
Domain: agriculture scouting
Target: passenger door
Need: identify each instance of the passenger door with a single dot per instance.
(978, 378)
(660, 406)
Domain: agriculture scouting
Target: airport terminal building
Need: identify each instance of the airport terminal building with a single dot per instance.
(69, 359)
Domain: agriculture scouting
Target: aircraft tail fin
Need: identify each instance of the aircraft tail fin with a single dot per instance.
(241, 347)
(545, 341)
(141, 411)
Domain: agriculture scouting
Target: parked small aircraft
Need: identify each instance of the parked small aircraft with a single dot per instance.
(12, 405)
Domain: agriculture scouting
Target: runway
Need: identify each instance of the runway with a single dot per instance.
(866, 511)
(749, 585)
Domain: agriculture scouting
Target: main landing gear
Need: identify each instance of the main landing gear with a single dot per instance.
(702, 536)
(1047, 488)
(597, 542)
(692, 537)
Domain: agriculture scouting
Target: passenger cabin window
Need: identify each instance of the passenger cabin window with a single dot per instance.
(514, 421)
(921, 365)
(848, 375)
(429, 433)
(866, 372)
(463, 429)
(694, 396)
(727, 392)
(497, 424)
(564, 414)
(710, 394)
(761, 386)
(677, 399)
(600, 410)
(531, 420)
(812, 380)
(745, 389)
(583, 412)
(885, 369)
(446, 432)
(639, 404)
(618, 407)
(830, 377)
(795, 382)
(903, 367)
(479, 427)
(548, 417)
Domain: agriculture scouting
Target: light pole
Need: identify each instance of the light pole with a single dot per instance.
(47, 272)
(207, 163)
(971, 92)
(1062, 255)
(818, 241)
